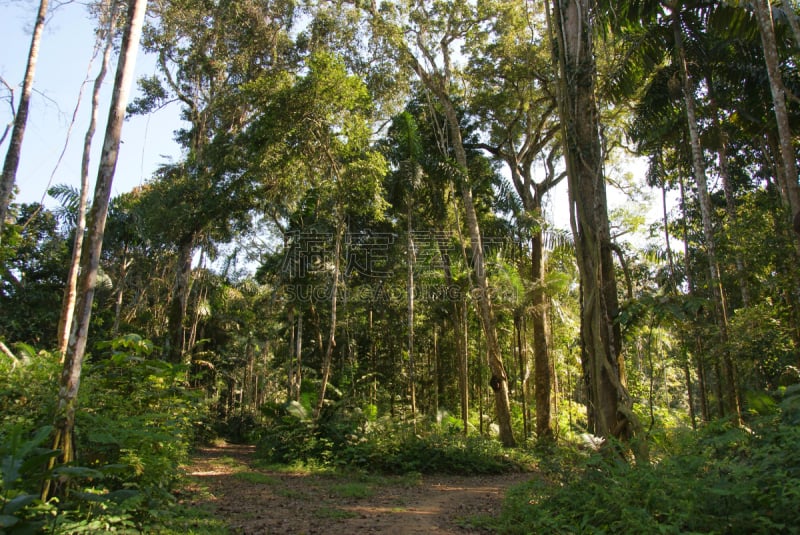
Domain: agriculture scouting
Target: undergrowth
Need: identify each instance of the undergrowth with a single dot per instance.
(725, 479)
(352, 439)
(134, 427)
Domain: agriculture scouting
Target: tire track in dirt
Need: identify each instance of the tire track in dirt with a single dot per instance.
(254, 501)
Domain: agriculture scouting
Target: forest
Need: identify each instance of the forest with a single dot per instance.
(473, 237)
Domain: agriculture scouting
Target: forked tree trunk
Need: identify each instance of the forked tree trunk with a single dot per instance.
(11, 163)
(70, 291)
(609, 405)
(90, 259)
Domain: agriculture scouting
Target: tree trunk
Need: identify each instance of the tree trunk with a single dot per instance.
(524, 372)
(331, 343)
(410, 283)
(706, 216)
(499, 379)
(541, 353)
(11, 163)
(730, 202)
(609, 405)
(788, 180)
(175, 344)
(70, 291)
(90, 258)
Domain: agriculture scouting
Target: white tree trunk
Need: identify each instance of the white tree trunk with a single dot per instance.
(71, 290)
(90, 258)
(11, 163)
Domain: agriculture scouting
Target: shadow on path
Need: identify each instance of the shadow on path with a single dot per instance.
(255, 501)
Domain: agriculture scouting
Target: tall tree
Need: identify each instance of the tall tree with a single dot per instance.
(11, 163)
(109, 11)
(787, 173)
(425, 43)
(208, 53)
(609, 404)
(515, 100)
(69, 383)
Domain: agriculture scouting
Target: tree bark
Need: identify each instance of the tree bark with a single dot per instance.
(609, 405)
(789, 185)
(70, 291)
(175, 343)
(11, 163)
(541, 352)
(90, 259)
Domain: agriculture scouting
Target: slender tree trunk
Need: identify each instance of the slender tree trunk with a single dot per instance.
(499, 379)
(90, 260)
(125, 263)
(687, 373)
(328, 356)
(410, 283)
(730, 202)
(462, 331)
(541, 353)
(524, 372)
(788, 181)
(667, 245)
(11, 163)
(702, 384)
(609, 405)
(459, 335)
(176, 330)
(70, 291)
(706, 216)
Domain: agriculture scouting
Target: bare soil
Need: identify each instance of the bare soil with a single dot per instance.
(255, 501)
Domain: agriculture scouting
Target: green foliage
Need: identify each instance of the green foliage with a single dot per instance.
(134, 428)
(21, 461)
(349, 438)
(32, 274)
(724, 479)
(28, 388)
(138, 413)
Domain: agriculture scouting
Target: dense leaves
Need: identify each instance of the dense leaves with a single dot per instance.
(367, 234)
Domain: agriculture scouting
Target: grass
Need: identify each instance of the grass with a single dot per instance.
(183, 520)
(333, 513)
(352, 490)
(256, 478)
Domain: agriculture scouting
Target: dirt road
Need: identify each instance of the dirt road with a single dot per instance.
(255, 501)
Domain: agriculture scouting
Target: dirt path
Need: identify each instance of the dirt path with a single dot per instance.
(260, 501)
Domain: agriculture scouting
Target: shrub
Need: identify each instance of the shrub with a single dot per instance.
(134, 428)
(354, 439)
(724, 479)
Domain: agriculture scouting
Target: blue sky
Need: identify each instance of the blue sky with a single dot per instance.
(64, 56)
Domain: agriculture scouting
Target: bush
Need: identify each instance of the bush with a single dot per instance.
(134, 427)
(725, 479)
(354, 439)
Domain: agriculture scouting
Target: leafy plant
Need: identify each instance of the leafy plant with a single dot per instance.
(724, 479)
(23, 462)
